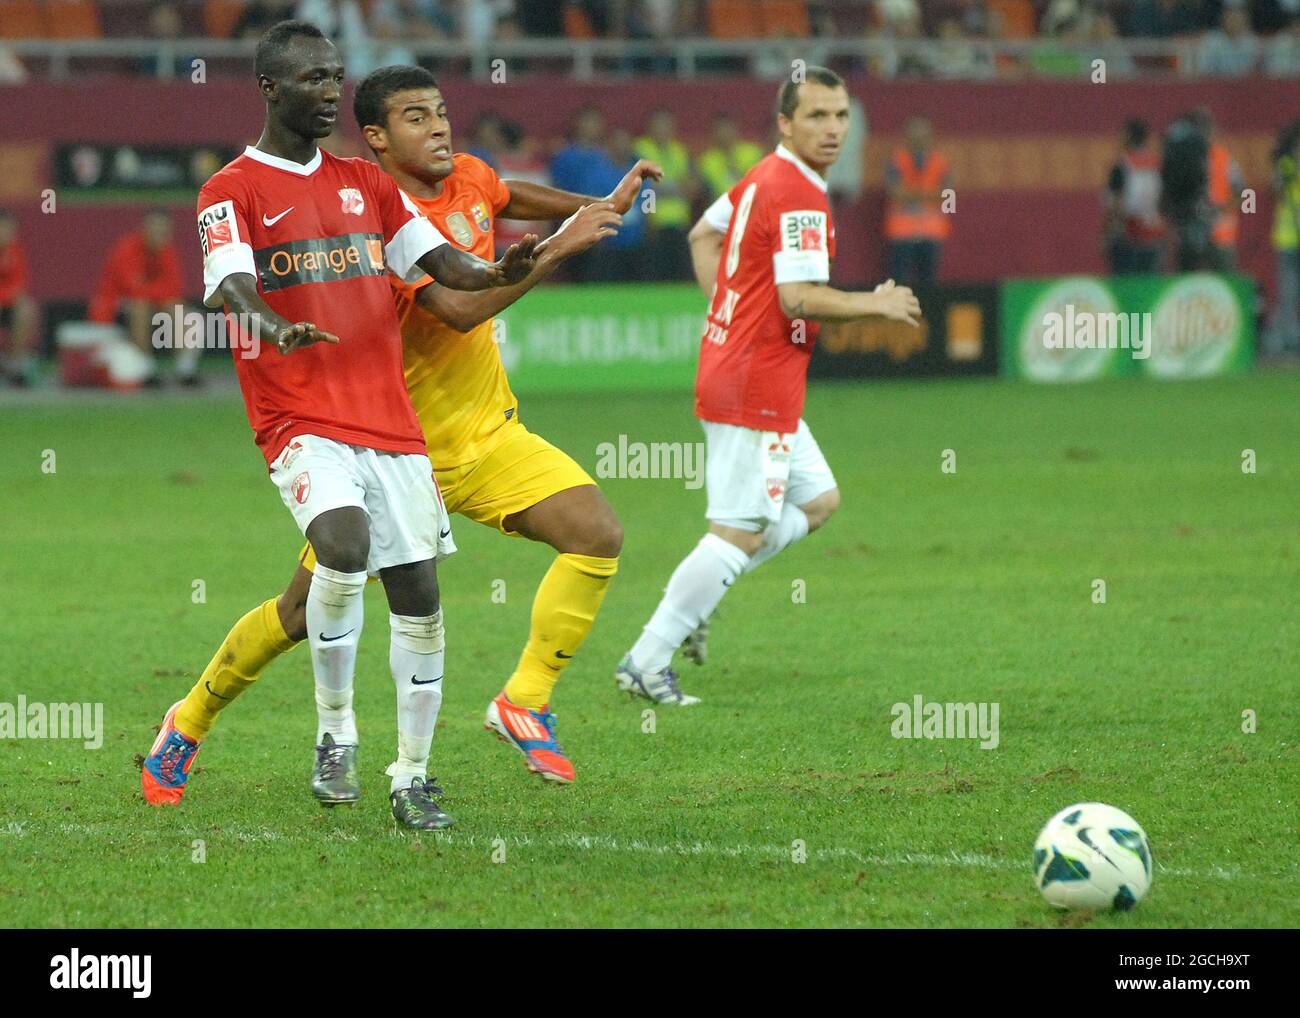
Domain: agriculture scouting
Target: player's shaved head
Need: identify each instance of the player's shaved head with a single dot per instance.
(370, 103)
(274, 57)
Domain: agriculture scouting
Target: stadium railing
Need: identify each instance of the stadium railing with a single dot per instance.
(683, 58)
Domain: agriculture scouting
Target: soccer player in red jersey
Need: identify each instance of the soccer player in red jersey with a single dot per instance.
(18, 310)
(297, 244)
(762, 252)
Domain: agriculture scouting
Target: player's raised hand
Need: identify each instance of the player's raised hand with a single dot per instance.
(301, 334)
(517, 262)
(585, 228)
(622, 197)
(897, 303)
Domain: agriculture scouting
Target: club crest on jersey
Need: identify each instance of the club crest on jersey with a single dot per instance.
(301, 487)
(460, 230)
(776, 488)
(352, 200)
(481, 217)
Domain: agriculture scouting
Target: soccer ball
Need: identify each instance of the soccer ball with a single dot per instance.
(1092, 856)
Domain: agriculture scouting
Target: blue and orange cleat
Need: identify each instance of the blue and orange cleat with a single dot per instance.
(532, 732)
(167, 767)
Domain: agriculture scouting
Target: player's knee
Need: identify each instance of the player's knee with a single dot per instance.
(822, 508)
(341, 539)
(292, 610)
(607, 537)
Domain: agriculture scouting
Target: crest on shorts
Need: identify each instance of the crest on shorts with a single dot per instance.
(776, 488)
(481, 217)
(352, 200)
(461, 232)
(301, 487)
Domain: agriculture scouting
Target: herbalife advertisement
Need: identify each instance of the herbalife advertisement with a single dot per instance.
(1082, 327)
(610, 338)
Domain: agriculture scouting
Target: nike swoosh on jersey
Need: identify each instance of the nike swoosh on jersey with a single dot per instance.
(276, 219)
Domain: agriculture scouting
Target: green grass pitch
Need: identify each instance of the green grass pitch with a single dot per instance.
(974, 586)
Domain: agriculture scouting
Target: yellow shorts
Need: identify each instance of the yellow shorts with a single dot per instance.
(518, 470)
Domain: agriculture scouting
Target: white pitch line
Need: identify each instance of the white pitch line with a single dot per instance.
(601, 843)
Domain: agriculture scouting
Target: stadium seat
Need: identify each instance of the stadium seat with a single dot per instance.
(220, 17)
(734, 19)
(72, 19)
(21, 19)
(785, 18)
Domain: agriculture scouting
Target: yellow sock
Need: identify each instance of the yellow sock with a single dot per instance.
(563, 610)
(255, 641)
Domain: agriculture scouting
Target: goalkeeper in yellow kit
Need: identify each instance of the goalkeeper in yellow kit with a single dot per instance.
(488, 466)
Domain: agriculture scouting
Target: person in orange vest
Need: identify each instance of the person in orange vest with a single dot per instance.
(1223, 192)
(1134, 227)
(915, 223)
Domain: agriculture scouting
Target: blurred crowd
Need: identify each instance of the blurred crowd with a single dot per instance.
(1227, 38)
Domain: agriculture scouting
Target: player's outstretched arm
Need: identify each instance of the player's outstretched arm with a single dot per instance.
(464, 311)
(239, 291)
(539, 202)
(824, 303)
(459, 270)
(706, 252)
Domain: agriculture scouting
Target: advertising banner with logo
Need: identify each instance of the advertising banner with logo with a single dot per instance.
(603, 338)
(958, 336)
(1082, 327)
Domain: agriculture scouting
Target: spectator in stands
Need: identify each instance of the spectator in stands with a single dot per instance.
(141, 286)
(1232, 50)
(1164, 19)
(18, 309)
(165, 25)
(915, 223)
(957, 56)
(728, 157)
(1133, 227)
(668, 224)
(1106, 45)
(1282, 58)
(1282, 336)
(260, 15)
(583, 166)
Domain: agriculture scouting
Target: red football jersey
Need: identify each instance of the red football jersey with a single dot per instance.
(13, 272)
(134, 271)
(319, 238)
(753, 359)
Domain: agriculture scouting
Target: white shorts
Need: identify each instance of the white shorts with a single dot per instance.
(751, 474)
(408, 522)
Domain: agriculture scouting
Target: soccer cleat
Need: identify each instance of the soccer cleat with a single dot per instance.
(334, 778)
(532, 732)
(696, 645)
(661, 686)
(416, 808)
(167, 767)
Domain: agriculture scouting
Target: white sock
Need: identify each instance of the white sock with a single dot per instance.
(693, 591)
(416, 659)
(791, 527)
(336, 609)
